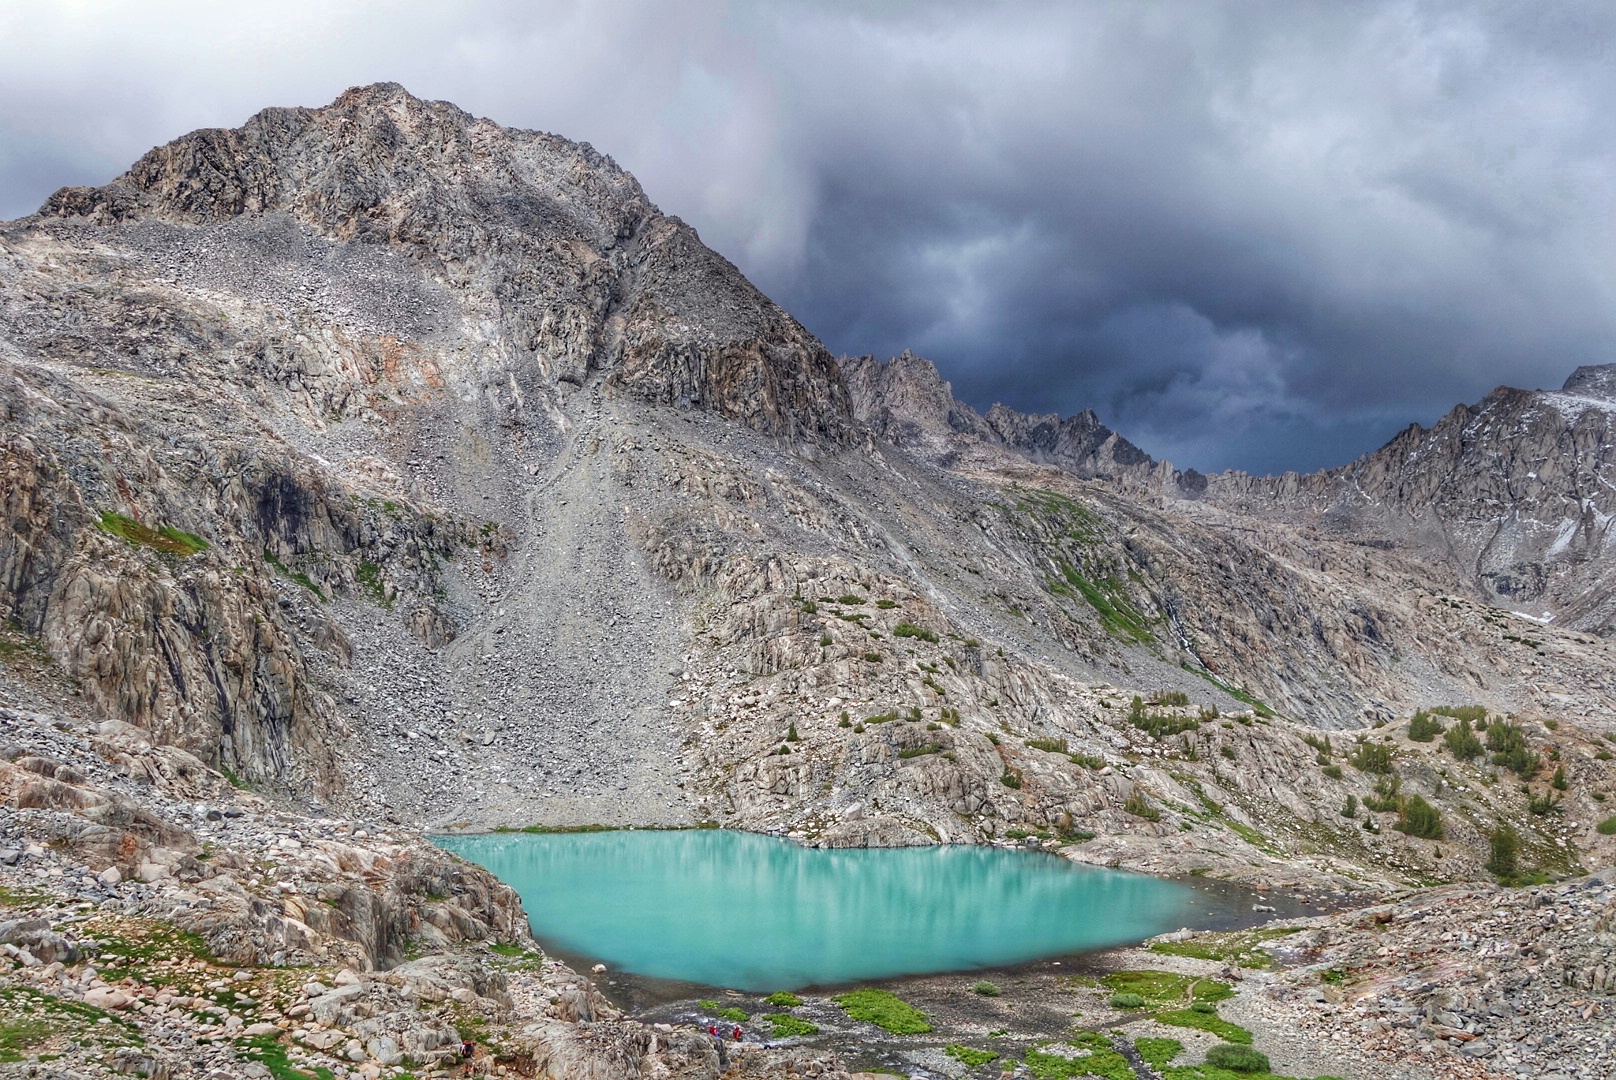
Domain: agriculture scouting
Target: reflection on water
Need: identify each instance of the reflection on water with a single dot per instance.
(757, 913)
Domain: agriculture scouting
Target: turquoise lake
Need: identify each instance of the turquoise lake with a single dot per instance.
(734, 909)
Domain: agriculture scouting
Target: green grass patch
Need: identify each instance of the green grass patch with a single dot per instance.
(1105, 1063)
(1158, 1052)
(885, 1010)
(1242, 947)
(164, 538)
(1163, 989)
(969, 1056)
(986, 989)
(1209, 1022)
(786, 1026)
(910, 630)
(783, 999)
(296, 576)
(1607, 827)
(919, 751)
(272, 1055)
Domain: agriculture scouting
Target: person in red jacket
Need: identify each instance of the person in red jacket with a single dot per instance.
(737, 1033)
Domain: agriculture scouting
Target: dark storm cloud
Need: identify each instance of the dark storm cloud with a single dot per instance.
(1254, 235)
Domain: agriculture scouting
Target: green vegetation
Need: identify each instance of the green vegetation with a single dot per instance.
(919, 751)
(1210, 1022)
(34, 1020)
(1388, 798)
(1559, 782)
(885, 604)
(164, 538)
(1240, 947)
(791, 733)
(1419, 818)
(1349, 809)
(272, 1055)
(968, 1056)
(1139, 806)
(293, 575)
(1010, 778)
(1503, 859)
(1507, 742)
(1465, 714)
(369, 577)
(1161, 989)
(1241, 1059)
(872, 658)
(885, 1010)
(1126, 1001)
(786, 1026)
(910, 630)
(987, 989)
(850, 598)
(546, 829)
(1159, 725)
(1050, 746)
(783, 999)
(1424, 727)
(1108, 598)
(1105, 1063)
(733, 1015)
(1371, 757)
(1158, 1052)
(1607, 827)
(1462, 742)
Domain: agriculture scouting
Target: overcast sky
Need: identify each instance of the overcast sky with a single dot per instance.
(1252, 235)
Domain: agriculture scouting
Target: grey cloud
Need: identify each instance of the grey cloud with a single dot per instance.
(1255, 235)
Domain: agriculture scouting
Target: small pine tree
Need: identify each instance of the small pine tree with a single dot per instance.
(791, 733)
(1350, 809)
(1420, 818)
(1424, 727)
(1559, 782)
(1503, 862)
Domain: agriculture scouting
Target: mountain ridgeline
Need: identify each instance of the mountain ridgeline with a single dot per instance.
(421, 468)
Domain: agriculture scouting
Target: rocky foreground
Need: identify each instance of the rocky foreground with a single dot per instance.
(159, 921)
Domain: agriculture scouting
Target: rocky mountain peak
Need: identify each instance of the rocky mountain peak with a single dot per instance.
(1592, 380)
(547, 238)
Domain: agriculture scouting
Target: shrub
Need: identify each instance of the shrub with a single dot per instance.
(1503, 860)
(1424, 727)
(1386, 799)
(1158, 1052)
(734, 1016)
(919, 751)
(1462, 742)
(1420, 818)
(1559, 782)
(1508, 745)
(791, 733)
(1228, 751)
(885, 1010)
(1127, 1001)
(786, 1026)
(810, 608)
(986, 989)
(1139, 806)
(1350, 807)
(1543, 804)
(872, 658)
(783, 999)
(1010, 778)
(1372, 757)
(1242, 1059)
(910, 630)
(1172, 699)
(1052, 746)
(1332, 771)
(849, 598)
(1467, 714)
(885, 604)
(1607, 827)
(968, 1056)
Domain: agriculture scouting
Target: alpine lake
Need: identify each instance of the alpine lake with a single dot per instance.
(677, 910)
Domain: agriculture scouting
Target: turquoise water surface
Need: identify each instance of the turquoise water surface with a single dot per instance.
(757, 913)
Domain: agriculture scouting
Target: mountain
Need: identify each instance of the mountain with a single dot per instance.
(420, 469)
(375, 469)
